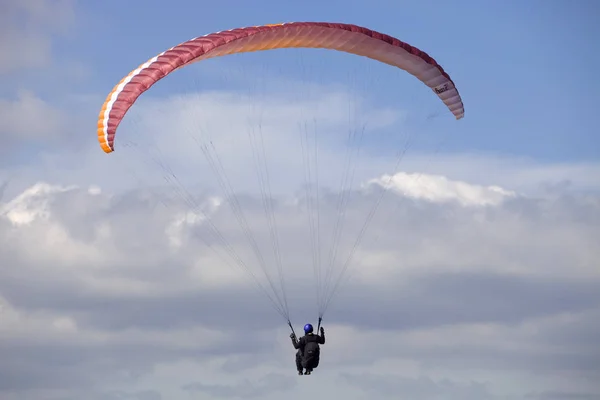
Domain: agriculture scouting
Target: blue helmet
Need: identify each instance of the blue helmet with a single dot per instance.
(308, 328)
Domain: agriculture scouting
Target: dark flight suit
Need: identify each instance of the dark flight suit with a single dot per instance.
(301, 361)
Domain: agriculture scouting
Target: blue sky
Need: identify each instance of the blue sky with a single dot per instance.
(524, 69)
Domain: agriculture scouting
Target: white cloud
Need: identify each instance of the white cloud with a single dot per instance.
(191, 120)
(30, 205)
(521, 174)
(30, 119)
(148, 318)
(441, 189)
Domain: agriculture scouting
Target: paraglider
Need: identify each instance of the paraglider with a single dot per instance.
(333, 36)
(309, 352)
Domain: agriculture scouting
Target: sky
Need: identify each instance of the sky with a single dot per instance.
(130, 276)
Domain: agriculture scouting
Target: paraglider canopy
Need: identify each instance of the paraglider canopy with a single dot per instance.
(341, 37)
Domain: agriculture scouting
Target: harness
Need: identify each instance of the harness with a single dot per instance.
(311, 347)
